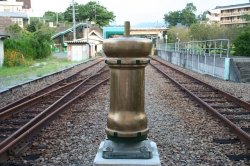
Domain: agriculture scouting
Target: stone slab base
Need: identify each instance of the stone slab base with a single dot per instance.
(155, 161)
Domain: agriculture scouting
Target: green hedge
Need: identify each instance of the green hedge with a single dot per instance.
(33, 45)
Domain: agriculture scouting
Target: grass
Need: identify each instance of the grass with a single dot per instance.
(38, 68)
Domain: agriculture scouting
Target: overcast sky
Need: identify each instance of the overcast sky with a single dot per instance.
(135, 11)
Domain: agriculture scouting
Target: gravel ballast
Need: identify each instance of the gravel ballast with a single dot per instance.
(183, 132)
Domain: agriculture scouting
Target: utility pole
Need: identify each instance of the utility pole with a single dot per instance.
(95, 13)
(56, 17)
(87, 21)
(74, 20)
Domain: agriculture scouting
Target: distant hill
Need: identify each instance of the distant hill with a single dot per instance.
(149, 25)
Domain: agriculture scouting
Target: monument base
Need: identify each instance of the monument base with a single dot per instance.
(154, 161)
(135, 150)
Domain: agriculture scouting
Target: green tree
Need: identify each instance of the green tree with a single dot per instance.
(92, 11)
(172, 18)
(34, 26)
(242, 43)
(201, 31)
(246, 17)
(181, 33)
(50, 16)
(12, 30)
(215, 31)
(186, 16)
(203, 15)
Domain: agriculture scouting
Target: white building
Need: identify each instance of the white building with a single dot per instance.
(229, 15)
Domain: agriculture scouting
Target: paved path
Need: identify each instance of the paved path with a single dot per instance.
(60, 54)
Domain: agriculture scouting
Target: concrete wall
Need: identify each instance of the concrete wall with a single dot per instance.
(234, 72)
(212, 65)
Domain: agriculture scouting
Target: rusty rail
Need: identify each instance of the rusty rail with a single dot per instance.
(32, 127)
(28, 131)
(238, 131)
(15, 109)
(40, 92)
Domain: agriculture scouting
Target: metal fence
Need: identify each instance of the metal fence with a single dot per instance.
(205, 57)
(206, 47)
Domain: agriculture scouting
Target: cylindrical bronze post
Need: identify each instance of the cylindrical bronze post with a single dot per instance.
(127, 28)
(127, 58)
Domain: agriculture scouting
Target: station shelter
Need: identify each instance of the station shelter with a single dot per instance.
(78, 50)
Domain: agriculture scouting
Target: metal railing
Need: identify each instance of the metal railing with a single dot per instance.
(205, 47)
(189, 54)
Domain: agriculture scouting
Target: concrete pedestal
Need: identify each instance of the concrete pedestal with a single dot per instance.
(155, 161)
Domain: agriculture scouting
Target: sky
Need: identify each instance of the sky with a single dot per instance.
(135, 11)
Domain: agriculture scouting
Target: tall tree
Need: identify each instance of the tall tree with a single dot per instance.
(172, 18)
(92, 11)
(204, 17)
(186, 16)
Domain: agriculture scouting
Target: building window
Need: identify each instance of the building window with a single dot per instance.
(18, 21)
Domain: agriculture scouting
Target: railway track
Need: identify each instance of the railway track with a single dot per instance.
(233, 112)
(55, 85)
(24, 118)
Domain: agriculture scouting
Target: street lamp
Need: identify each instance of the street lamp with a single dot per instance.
(87, 22)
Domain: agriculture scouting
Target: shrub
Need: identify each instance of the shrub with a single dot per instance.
(13, 58)
(242, 43)
(31, 45)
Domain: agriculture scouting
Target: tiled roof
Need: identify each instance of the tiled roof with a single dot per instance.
(26, 3)
(76, 42)
(231, 6)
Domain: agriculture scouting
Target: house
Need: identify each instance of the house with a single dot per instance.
(20, 18)
(14, 10)
(229, 15)
(95, 40)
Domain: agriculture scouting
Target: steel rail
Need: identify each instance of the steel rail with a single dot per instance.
(238, 131)
(32, 130)
(17, 108)
(225, 94)
(44, 113)
(40, 92)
